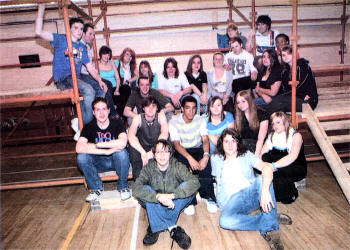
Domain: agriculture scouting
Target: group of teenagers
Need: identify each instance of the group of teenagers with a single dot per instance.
(219, 133)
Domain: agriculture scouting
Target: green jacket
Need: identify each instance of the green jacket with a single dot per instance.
(176, 174)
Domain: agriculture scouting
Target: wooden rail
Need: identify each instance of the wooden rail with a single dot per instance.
(339, 170)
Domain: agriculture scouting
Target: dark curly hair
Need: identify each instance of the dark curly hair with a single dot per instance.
(174, 63)
(241, 149)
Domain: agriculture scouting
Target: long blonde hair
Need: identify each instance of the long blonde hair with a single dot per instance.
(252, 110)
(286, 122)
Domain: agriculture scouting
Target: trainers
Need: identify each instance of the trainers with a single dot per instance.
(77, 136)
(211, 206)
(94, 194)
(300, 184)
(284, 219)
(125, 194)
(274, 240)
(190, 210)
(180, 237)
(75, 124)
(150, 238)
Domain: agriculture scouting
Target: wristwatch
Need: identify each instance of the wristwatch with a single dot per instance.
(206, 153)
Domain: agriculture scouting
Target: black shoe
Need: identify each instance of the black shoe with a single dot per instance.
(150, 238)
(181, 238)
(274, 240)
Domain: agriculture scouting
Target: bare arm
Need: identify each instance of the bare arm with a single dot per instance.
(116, 75)
(273, 90)
(133, 140)
(118, 144)
(93, 72)
(293, 155)
(164, 128)
(195, 89)
(249, 43)
(264, 125)
(128, 112)
(83, 146)
(266, 201)
(204, 161)
(181, 150)
(39, 24)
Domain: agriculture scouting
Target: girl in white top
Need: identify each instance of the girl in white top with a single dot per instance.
(172, 84)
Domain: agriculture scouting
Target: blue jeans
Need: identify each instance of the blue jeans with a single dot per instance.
(86, 90)
(94, 84)
(161, 217)
(235, 214)
(260, 102)
(91, 165)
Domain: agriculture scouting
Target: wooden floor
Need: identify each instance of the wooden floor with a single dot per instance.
(42, 219)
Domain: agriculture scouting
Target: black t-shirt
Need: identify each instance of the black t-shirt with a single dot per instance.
(198, 82)
(135, 99)
(247, 132)
(275, 76)
(94, 134)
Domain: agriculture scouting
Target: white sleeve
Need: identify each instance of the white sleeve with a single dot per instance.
(184, 81)
(251, 63)
(174, 135)
(203, 127)
(161, 81)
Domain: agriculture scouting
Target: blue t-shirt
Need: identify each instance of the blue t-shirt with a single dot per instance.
(217, 130)
(61, 66)
(109, 75)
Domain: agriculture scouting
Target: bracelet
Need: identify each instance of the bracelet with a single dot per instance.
(274, 166)
(206, 153)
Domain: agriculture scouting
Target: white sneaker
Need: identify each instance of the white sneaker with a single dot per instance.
(190, 210)
(76, 136)
(75, 124)
(94, 195)
(125, 194)
(211, 206)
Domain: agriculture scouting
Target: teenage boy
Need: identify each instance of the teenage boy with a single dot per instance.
(102, 147)
(164, 188)
(231, 32)
(241, 64)
(61, 67)
(264, 36)
(146, 128)
(188, 131)
(87, 39)
(136, 99)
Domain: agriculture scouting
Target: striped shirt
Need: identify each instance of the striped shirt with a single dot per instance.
(189, 134)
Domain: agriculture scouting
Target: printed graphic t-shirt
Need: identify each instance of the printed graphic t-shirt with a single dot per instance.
(94, 134)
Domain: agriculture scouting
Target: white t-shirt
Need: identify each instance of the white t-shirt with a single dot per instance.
(173, 85)
(232, 178)
(242, 64)
(265, 42)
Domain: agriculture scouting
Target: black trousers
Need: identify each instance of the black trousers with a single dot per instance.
(206, 189)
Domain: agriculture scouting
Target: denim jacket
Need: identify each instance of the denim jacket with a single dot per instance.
(247, 162)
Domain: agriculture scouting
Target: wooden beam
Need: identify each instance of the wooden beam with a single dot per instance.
(336, 125)
(334, 161)
(347, 165)
(81, 12)
(336, 139)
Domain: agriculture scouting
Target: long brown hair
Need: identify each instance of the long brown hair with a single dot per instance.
(133, 59)
(252, 110)
(211, 103)
(150, 73)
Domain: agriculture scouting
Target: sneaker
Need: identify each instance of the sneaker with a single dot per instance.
(94, 195)
(211, 206)
(125, 194)
(189, 210)
(150, 238)
(284, 219)
(274, 240)
(75, 124)
(300, 184)
(180, 237)
(77, 136)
